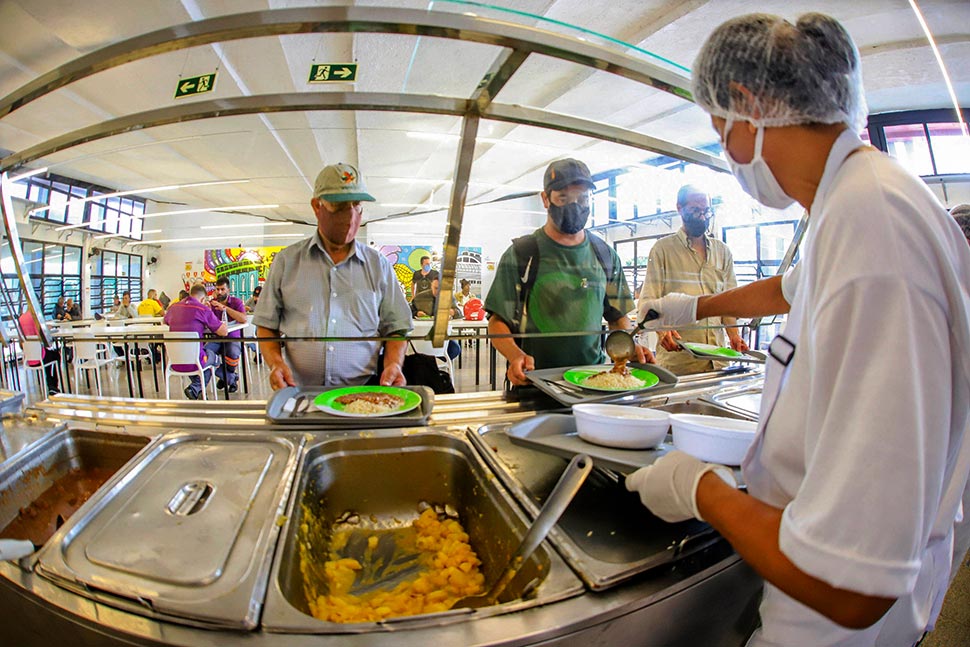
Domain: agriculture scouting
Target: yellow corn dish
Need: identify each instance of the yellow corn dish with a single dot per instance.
(450, 571)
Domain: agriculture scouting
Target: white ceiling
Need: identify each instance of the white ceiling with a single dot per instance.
(280, 154)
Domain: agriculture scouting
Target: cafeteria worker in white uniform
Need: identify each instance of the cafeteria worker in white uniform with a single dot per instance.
(862, 453)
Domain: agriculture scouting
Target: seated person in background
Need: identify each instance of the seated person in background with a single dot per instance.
(465, 293)
(189, 315)
(51, 357)
(73, 309)
(151, 306)
(235, 311)
(424, 304)
(126, 310)
(422, 278)
(253, 300)
(115, 305)
(183, 294)
(60, 311)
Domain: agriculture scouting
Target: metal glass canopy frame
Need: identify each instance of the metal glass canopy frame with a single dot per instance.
(519, 42)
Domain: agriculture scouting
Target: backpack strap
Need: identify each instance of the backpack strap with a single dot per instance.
(527, 266)
(605, 257)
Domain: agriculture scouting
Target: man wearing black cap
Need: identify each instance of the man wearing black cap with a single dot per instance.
(558, 279)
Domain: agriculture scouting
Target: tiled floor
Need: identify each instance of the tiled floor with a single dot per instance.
(953, 627)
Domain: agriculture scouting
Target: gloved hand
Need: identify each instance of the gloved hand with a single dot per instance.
(668, 488)
(675, 309)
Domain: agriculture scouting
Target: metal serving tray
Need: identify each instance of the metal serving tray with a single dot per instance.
(378, 478)
(302, 412)
(186, 534)
(550, 381)
(606, 535)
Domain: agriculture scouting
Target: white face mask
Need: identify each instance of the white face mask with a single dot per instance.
(756, 177)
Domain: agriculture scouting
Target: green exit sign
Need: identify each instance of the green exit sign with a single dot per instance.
(332, 72)
(195, 85)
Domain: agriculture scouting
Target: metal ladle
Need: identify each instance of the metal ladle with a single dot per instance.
(620, 345)
(569, 483)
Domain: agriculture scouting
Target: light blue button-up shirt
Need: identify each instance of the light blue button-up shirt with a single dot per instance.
(307, 295)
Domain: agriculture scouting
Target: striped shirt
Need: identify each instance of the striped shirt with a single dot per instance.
(307, 295)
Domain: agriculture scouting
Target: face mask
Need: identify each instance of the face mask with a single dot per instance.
(426, 267)
(695, 226)
(569, 219)
(756, 177)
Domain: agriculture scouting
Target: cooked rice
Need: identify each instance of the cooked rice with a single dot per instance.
(363, 406)
(610, 380)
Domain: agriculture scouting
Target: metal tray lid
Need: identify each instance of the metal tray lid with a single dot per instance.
(187, 534)
(11, 401)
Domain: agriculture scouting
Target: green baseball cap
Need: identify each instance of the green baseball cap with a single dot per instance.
(341, 182)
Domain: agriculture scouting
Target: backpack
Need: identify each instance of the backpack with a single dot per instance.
(473, 310)
(527, 257)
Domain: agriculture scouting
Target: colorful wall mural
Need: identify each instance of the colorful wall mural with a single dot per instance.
(407, 258)
(245, 268)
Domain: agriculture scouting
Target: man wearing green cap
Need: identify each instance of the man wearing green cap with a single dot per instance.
(330, 285)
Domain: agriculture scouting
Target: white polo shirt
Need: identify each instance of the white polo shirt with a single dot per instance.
(862, 435)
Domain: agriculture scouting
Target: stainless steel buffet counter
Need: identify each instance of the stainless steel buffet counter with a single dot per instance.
(138, 565)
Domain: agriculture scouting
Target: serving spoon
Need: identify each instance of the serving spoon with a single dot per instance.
(619, 343)
(567, 487)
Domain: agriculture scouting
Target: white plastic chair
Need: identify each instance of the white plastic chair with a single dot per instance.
(34, 361)
(89, 356)
(178, 352)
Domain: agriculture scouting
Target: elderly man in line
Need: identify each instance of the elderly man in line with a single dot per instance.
(693, 262)
(330, 285)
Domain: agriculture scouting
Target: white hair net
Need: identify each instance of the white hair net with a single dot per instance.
(763, 69)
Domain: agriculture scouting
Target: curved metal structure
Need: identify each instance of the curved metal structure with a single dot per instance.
(519, 41)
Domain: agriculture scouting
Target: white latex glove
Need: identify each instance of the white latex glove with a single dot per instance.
(675, 310)
(668, 488)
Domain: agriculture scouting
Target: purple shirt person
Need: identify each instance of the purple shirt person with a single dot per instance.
(190, 315)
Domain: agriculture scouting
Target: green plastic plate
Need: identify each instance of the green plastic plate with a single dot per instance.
(327, 403)
(711, 350)
(578, 377)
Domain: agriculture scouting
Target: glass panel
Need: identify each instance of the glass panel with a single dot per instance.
(58, 204)
(135, 267)
(33, 257)
(38, 193)
(124, 225)
(53, 259)
(95, 262)
(110, 221)
(136, 227)
(907, 143)
(951, 148)
(75, 212)
(108, 263)
(72, 260)
(97, 216)
(19, 189)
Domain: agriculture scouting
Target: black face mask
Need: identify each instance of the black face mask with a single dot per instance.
(695, 226)
(569, 219)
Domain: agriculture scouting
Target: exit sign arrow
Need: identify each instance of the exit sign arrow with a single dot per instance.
(195, 85)
(332, 72)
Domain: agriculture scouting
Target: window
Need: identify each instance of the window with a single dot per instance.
(65, 197)
(55, 271)
(112, 274)
(926, 142)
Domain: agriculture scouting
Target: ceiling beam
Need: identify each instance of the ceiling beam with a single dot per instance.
(352, 20)
(375, 101)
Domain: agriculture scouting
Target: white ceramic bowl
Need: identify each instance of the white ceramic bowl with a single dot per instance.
(615, 425)
(712, 438)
